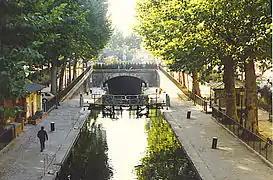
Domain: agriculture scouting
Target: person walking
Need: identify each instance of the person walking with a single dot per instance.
(42, 135)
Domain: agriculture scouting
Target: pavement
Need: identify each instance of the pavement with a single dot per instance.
(265, 126)
(232, 160)
(22, 159)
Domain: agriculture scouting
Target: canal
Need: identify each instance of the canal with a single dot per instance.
(127, 148)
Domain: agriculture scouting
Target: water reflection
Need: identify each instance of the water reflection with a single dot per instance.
(126, 140)
(165, 158)
(126, 148)
(88, 158)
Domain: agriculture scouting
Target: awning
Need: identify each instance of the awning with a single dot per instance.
(33, 87)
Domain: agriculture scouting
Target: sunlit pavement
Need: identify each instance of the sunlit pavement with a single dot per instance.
(265, 126)
(22, 159)
(231, 160)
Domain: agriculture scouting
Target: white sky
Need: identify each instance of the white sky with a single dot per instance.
(122, 13)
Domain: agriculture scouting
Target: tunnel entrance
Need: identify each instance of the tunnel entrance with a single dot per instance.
(125, 85)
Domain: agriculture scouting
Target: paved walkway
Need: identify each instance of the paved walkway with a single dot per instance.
(232, 160)
(22, 159)
(265, 126)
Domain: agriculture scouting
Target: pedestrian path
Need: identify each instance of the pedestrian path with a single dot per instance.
(265, 126)
(232, 160)
(22, 159)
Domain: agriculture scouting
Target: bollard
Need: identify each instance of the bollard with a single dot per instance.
(188, 114)
(168, 100)
(52, 126)
(81, 100)
(214, 142)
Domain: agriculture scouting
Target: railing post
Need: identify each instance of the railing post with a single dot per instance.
(266, 152)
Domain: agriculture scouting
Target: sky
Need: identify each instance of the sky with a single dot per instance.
(122, 13)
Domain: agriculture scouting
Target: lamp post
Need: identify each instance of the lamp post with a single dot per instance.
(241, 103)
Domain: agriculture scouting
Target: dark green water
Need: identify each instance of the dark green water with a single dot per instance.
(127, 148)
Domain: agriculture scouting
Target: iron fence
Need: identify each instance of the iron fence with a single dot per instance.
(125, 99)
(257, 143)
(199, 100)
(126, 66)
(196, 99)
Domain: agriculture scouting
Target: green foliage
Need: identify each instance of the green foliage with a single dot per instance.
(35, 33)
(122, 47)
(40, 77)
(89, 156)
(11, 112)
(165, 158)
(190, 34)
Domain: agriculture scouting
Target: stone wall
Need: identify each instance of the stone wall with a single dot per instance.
(149, 76)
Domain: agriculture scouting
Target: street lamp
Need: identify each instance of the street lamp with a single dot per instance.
(241, 103)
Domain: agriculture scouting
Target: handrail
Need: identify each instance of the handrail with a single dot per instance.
(125, 100)
(257, 143)
(125, 66)
(196, 99)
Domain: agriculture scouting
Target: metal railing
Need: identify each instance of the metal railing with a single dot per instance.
(196, 99)
(120, 100)
(199, 100)
(125, 66)
(261, 146)
(125, 100)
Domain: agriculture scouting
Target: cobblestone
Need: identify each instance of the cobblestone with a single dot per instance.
(22, 159)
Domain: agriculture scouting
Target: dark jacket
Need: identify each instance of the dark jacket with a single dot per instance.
(42, 135)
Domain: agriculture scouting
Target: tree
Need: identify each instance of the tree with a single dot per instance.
(169, 30)
(164, 157)
(229, 34)
(122, 47)
(242, 32)
(18, 48)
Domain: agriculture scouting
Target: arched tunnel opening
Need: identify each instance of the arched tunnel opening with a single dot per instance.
(124, 85)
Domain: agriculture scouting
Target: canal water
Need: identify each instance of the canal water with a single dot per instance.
(125, 148)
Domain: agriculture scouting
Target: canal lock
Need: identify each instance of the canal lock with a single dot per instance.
(94, 157)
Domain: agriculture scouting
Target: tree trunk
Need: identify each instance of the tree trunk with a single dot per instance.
(69, 73)
(65, 75)
(179, 77)
(230, 93)
(61, 82)
(251, 98)
(53, 77)
(49, 72)
(183, 79)
(85, 65)
(195, 84)
(75, 70)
